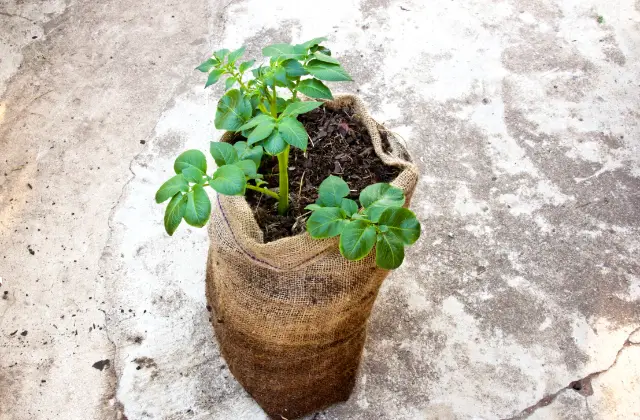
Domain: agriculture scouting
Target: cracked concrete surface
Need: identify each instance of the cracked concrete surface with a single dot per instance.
(521, 299)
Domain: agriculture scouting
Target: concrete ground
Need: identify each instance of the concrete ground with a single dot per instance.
(521, 299)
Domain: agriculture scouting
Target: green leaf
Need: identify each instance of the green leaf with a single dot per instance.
(331, 191)
(324, 57)
(170, 188)
(207, 65)
(233, 110)
(297, 108)
(193, 174)
(293, 68)
(314, 88)
(357, 240)
(245, 152)
(261, 132)
(221, 54)
(236, 54)
(228, 84)
(223, 153)
(248, 167)
(293, 132)
(402, 223)
(198, 207)
(281, 104)
(327, 71)
(377, 198)
(274, 144)
(349, 206)
(323, 50)
(229, 180)
(214, 76)
(246, 65)
(313, 207)
(284, 51)
(280, 76)
(389, 251)
(326, 222)
(258, 119)
(313, 42)
(174, 212)
(190, 158)
(260, 71)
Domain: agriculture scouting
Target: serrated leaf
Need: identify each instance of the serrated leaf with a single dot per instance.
(174, 213)
(332, 191)
(327, 71)
(245, 152)
(229, 180)
(349, 206)
(283, 51)
(297, 108)
(223, 153)
(314, 88)
(378, 197)
(248, 167)
(274, 144)
(389, 251)
(293, 68)
(313, 42)
(293, 132)
(233, 56)
(214, 76)
(261, 132)
(326, 222)
(198, 207)
(170, 188)
(246, 65)
(357, 240)
(324, 57)
(233, 110)
(402, 223)
(190, 158)
(258, 119)
(207, 65)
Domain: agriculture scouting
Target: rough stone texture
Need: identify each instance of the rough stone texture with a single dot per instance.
(523, 117)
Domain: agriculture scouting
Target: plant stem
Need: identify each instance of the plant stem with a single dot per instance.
(283, 172)
(274, 101)
(264, 191)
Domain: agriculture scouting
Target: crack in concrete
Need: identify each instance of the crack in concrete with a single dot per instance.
(11, 15)
(582, 385)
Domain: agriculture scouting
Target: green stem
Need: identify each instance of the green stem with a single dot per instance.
(274, 101)
(264, 191)
(283, 171)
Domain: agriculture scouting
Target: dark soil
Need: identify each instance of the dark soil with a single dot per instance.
(339, 145)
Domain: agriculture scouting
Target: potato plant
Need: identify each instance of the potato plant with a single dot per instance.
(254, 106)
(379, 220)
(262, 104)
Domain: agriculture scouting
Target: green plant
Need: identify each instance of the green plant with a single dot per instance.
(267, 120)
(380, 220)
(253, 106)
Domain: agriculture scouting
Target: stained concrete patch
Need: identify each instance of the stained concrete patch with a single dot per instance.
(521, 115)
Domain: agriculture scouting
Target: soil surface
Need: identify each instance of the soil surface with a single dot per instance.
(339, 145)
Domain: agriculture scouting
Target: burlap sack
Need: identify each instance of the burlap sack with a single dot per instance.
(290, 315)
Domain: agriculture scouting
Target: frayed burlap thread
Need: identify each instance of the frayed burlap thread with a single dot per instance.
(290, 315)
